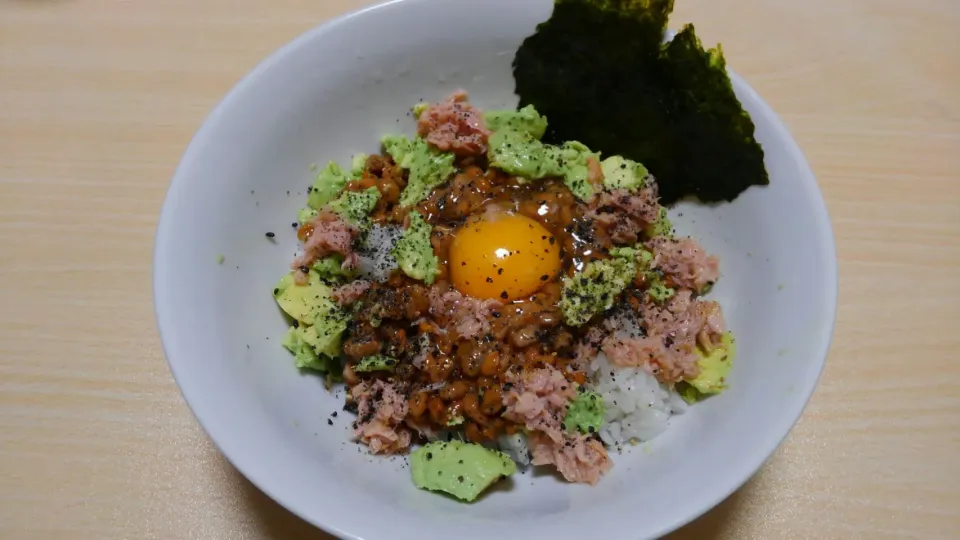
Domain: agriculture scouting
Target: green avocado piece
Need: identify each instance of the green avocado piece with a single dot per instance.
(357, 164)
(715, 367)
(328, 185)
(519, 152)
(570, 160)
(461, 469)
(414, 252)
(305, 355)
(639, 254)
(594, 290)
(585, 412)
(657, 290)
(306, 303)
(315, 340)
(419, 108)
(306, 215)
(622, 173)
(526, 120)
(355, 206)
(428, 167)
(331, 268)
(661, 227)
(377, 362)
(326, 333)
(303, 302)
(304, 343)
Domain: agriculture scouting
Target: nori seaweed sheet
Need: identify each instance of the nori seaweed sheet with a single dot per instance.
(600, 72)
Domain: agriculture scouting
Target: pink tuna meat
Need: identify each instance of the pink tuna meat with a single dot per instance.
(346, 295)
(453, 125)
(624, 213)
(538, 400)
(330, 235)
(684, 261)
(381, 408)
(468, 316)
(577, 457)
(669, 349)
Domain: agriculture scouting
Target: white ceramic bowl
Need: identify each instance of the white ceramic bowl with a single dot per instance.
(333, 92)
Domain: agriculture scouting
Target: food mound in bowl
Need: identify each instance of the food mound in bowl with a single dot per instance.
(498, 300)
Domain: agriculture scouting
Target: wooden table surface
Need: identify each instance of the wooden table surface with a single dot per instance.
(99, 98)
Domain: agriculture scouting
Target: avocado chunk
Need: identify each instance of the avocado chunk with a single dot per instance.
(305, 355)
(593, 290)
(657, 290)
(315, 340)
(622, 173)
(639, 254)
(306, 215)
(661, 227)
(414, 252)
(378, 362)
(304, 343)
(355, 206)
(517, 152)
(526, 120)
(715, 366)
(419, 108)
(329, 183)
(461, 469)
(331, 268)
(428, 167)
(327, 331)
(585, 412)
(357, 164)
(520, 153)
(303, 302)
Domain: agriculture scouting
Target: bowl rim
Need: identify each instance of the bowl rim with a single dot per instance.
(239, 459)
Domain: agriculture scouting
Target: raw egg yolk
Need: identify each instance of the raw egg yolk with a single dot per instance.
(503, 256)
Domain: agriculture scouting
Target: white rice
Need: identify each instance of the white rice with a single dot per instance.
(637, 405)
(376, 260)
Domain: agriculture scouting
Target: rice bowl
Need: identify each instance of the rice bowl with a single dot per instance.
(265, 398)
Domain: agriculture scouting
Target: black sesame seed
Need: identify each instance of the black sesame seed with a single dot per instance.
(270, 235)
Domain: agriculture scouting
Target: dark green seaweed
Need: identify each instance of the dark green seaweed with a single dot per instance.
(600, 72)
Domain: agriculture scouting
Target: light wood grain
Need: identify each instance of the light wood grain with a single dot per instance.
(99, 98)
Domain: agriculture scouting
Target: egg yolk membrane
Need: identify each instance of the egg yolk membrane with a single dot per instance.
(502, 256)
